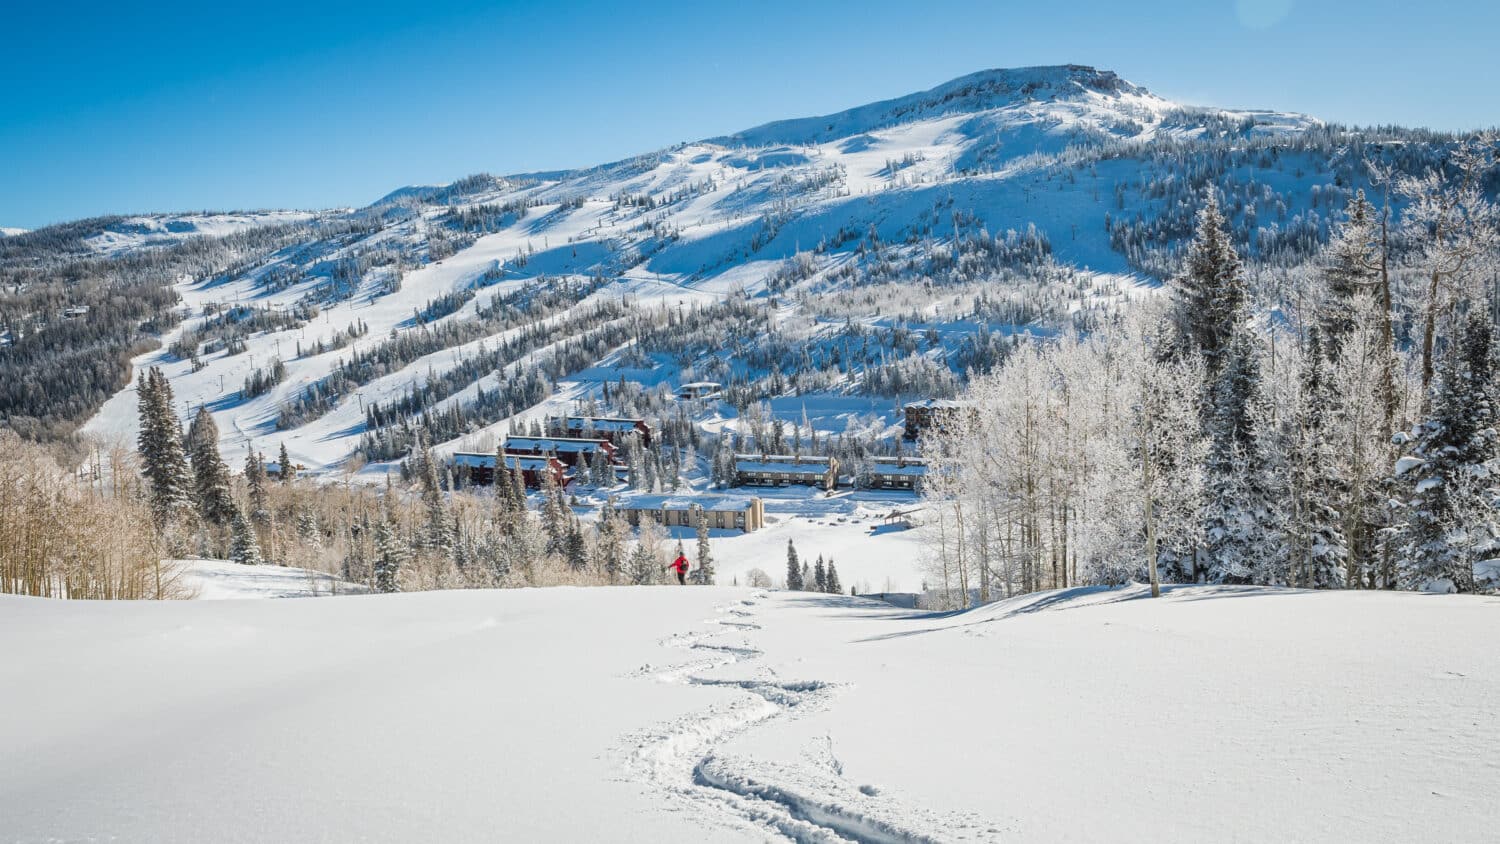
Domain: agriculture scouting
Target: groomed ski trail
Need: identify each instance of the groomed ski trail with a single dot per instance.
(810, 802)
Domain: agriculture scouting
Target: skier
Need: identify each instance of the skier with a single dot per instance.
(681, 566)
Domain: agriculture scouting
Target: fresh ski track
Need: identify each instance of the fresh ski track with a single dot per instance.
(684, 761)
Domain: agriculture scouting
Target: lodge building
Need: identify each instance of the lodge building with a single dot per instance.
(785, 469)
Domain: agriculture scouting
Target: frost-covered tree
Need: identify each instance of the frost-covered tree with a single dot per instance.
(1447, 475)
(391, 555)
(243, 547)
(1318, 546)
(704, 573)
(831, 583)
(1210, 293)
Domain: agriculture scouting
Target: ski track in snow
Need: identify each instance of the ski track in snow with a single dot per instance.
(684, 761)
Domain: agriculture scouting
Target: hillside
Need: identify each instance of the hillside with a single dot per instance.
(674, 714)
(788, 261)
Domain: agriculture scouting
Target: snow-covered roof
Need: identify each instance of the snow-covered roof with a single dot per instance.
(528, 463)
(555, 444)
(710, 503)
(893, 468)
(601, 423)
(701, 385)
(936, 403)
(780, 463)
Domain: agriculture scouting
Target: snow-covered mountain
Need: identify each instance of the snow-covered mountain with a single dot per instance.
(935, 224)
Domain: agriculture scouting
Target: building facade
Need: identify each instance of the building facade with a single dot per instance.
(721, 512)
(785, 470)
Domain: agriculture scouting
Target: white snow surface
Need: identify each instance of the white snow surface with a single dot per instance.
(220, 580)
(718, 714)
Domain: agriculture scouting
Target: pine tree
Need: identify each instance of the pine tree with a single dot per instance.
(820, 580)
(1316, 483)
(1211, 293)
(1239, 525)
(163, 456)
(793, 568)
(437, 533)
(704, 573)
(255, 484)
(243, 546)
(807, 582)
(1349, 269)
(390, 556)
(211, 482)
(284, 462)
(1447, 478)
(832, 582)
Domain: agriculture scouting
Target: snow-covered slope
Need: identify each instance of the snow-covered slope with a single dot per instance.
(977, 179)
(161, 229)
(671, 714)
(7, 231)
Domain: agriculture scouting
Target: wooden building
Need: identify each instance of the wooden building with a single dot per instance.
(612, 428)
(785, 470)
(480, 467)
(722, 512)
(898, 472)
(932, 414)
(572, 451)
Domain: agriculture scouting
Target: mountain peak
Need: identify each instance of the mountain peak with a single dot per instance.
(980, 91)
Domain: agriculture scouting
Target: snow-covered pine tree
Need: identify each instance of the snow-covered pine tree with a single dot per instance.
(1210, 295)
(243, 547)
(793, 568)
(1318, 548)
(831, 580)
(704, 573)
(211, 483)
(163, 456)
(255, 486)
(1349, 268)
(819, 579)
(1448, 474)
(807, 582)
(1241, 539)
(437, 532)
(390, 555)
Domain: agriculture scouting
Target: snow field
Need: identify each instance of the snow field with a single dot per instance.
(690, 714)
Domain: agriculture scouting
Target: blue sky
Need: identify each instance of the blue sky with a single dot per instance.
(305, 105)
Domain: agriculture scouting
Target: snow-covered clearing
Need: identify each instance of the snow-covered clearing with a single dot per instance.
(672, 714)
(219, 580)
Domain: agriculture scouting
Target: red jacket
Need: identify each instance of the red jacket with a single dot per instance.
(681, 564)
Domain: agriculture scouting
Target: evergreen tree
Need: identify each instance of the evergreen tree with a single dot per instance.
(163, 456)
(210, 475)
(1447, 476)
(1239, 525)
(704, 573)
(793, 568)
(1321, 549)
(390, 556)
(820, 580)
(255, 485)
(284, 462)
(832, 583)
(1349, 269)
(243, 546)
(437, 533)
(1211, 294)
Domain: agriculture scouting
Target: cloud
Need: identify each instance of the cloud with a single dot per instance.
(1262, 14)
